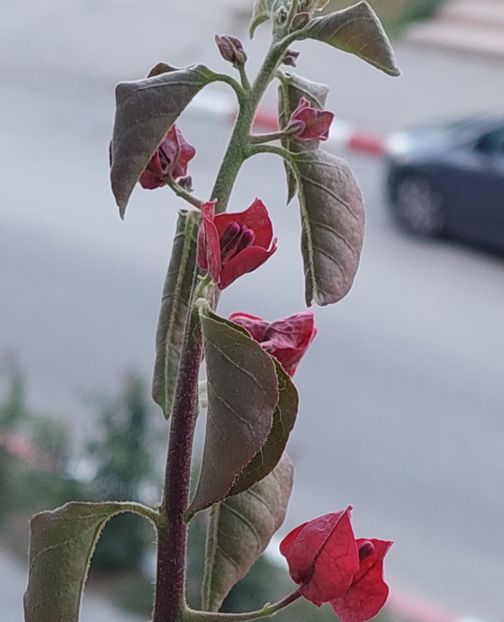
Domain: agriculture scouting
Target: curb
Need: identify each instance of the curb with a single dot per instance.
(343, 135)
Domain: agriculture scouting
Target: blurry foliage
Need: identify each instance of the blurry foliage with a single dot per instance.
(122, 455)
(13, 409)
(395, 14)
(24, 487)
(123, 465)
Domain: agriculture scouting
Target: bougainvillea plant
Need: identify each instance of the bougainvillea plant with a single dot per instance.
(245, 475)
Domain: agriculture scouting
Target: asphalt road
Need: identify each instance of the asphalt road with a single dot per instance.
(402, 395)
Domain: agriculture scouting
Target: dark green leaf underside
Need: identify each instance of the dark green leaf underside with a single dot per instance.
(242, 527)
(61, 546)
(332, 219)
(145, 111)
(356, 30)
(263, 11)
(290, 91)
(174, 310)
(242, 395)
(270, 454)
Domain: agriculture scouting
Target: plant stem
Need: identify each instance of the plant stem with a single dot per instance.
(273, 149)
(172, 529)
(259, 139)
(268, 610)
(184, 194)
(172, 533)
(244, 78)
(234, 157)
(237, 150)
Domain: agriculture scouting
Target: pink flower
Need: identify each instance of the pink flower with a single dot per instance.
(330, 565)
(230, 245)
(286, 339)
(314, 124)
(169, 161)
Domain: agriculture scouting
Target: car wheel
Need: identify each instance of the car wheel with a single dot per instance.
(419, 206)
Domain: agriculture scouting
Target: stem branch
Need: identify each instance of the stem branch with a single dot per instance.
(268, 610)
(184, 194)
(172, 528)
(259, 139)
(273, 149)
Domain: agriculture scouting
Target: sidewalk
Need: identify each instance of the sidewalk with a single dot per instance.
(476, 28)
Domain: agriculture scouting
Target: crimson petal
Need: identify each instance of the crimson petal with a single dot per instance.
(245, 261)
(368, 592)
(255, 217)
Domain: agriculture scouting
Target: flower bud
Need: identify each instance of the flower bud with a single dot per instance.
(290, 58)
(281, 15)
(186, 183)
(231, 49)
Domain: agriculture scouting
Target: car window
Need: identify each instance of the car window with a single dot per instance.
(493, 142)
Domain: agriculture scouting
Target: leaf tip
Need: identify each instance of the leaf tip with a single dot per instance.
(395, 72)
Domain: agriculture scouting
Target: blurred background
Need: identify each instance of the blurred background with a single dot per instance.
(402, 393)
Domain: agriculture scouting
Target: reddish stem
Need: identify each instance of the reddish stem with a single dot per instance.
(172, 535)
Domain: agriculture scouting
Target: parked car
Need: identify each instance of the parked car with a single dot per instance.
(448, 179)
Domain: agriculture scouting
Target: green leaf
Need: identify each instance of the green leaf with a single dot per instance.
(62, 543)
(145, 111)
(175, 305)
(160, 68)
(270, 454)
(332, 219)
(356, 30)
(314, 5)
(290, 91)
(242, 396)
(241, 528)
(262, 12)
